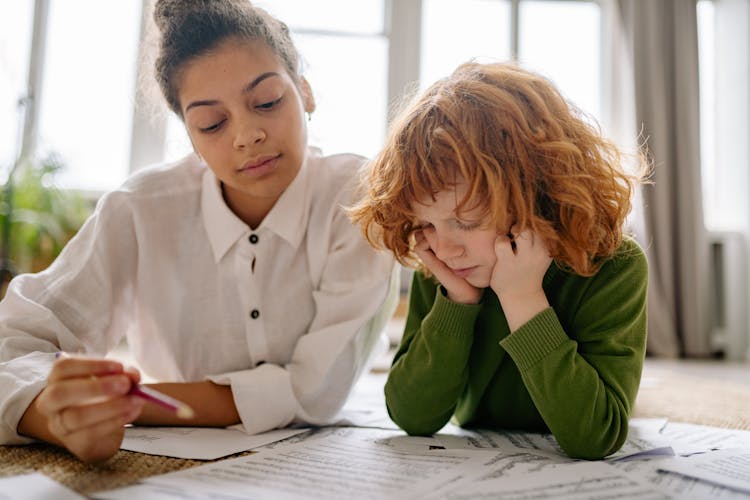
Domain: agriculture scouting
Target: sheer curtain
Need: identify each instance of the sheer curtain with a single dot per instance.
(658, 72)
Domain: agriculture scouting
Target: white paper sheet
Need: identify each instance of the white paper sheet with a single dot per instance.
(347, 462)
(729, 468)
(644, 442)
(35, 487)
(677, 485)
(579, 481)
(355, 465)
(198, 443)
(687, 439)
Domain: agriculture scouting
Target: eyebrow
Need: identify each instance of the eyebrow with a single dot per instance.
(250, 86)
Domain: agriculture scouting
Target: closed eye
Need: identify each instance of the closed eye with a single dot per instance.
(466, 226)
(212, 128)
(270, 104)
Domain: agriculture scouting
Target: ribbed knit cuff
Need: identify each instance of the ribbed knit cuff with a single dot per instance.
(541, 335)
(451, 318)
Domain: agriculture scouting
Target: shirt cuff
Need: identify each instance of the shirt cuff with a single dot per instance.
(21, 380)
(541, 335)
(263, 396)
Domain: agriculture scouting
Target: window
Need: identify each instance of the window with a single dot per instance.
(562, 40)
(15, 45)
(707, 71)
(559, 39)
(86, 107)
(87, 94)
(450, 35)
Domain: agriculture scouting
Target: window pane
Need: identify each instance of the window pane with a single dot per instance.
(454, 32)
(351, 99)
(707, 70)
(86, 107)
(15, 43)
(561, 40)
(360, 16)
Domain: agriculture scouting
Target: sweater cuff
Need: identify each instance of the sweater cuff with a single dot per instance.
(541, 335)
(451, 318)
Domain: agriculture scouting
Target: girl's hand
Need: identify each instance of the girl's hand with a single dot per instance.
(86, 405)
(517, 276)
(459, 290)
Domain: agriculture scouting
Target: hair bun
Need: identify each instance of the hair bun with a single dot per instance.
(169, 14)
(166, 10)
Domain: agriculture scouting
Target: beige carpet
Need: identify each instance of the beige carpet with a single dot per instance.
(674, 396)
(683, 398)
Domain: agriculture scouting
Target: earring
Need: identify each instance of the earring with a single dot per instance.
(309, 116)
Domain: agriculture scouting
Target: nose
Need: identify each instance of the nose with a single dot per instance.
(446, 246)
(248, 133)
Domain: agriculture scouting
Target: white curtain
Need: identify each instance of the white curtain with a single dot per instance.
(657, 70)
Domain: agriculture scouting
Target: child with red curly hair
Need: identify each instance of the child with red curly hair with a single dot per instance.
(528, 307)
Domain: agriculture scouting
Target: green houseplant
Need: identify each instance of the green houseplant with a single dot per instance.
(36, 217)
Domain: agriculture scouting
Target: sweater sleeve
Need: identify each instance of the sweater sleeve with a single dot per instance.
(430, 369)
(584, 380)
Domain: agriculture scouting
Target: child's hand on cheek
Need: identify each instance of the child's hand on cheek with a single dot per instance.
(517, 276)
(459, 290)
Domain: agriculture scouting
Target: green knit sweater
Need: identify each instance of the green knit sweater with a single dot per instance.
(573, 369)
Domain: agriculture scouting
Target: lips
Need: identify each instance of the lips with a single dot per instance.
(259, 162)
(463, 272)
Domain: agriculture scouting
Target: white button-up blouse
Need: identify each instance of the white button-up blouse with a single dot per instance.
(287, 314)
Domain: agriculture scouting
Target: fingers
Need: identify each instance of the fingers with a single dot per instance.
(428, 257)
(133, 373)
(421, 245)
(517, 242)
(72, 420)
(86, 406)
(100, 441)
(81, 391)
(71, 367)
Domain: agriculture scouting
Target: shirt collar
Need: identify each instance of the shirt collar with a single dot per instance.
(287, 219)
(223, 227)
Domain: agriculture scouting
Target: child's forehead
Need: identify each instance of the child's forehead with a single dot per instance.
(447, 203)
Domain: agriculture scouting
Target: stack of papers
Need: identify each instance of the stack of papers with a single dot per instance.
(365, 456)
(660, 460)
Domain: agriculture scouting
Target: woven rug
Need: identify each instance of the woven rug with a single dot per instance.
(663, 394)
(125, 468)
(695, 400)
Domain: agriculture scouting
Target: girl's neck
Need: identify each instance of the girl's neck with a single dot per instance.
(250, 209)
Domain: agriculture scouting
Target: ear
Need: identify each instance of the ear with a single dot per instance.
(308, 100)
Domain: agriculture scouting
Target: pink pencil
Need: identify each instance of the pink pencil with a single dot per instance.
(181, 409)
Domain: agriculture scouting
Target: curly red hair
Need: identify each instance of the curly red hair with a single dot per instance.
(528, 158)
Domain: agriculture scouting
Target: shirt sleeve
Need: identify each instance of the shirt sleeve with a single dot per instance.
(357, 294)
(72, 306)
(584, 380)
(431, 367)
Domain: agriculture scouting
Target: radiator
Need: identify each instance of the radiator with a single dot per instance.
(730, 332)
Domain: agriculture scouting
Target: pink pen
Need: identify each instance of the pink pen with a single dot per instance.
(181, 409)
